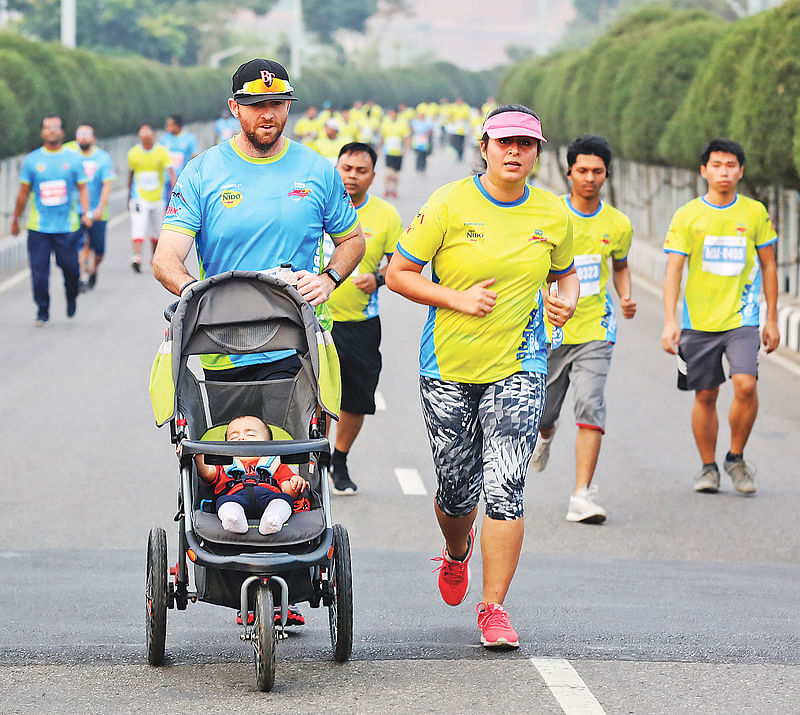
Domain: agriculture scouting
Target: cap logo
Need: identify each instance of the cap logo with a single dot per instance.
(267, 77)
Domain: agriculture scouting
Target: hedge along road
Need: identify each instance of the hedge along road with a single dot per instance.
(681, 602)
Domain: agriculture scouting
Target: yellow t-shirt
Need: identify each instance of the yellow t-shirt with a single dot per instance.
(329, 148)
(721, 242)
(469, 237)
(596, 237)
(393, 134)
(382, 227)
(148, 169)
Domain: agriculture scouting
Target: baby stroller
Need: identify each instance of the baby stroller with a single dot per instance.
(308, 560)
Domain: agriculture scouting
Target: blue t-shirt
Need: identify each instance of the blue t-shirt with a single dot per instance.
(181, 147)
(256, 214)
(225, 128)
(99, 168)
(54, 177)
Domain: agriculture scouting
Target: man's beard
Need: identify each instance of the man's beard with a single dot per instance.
(263, 147)
(84, 147)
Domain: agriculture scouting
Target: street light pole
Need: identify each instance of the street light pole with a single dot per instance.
(295, 60)
(68, 24)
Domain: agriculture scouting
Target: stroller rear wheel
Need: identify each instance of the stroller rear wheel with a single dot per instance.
(340, 589)
(264, 638)
(156, 595)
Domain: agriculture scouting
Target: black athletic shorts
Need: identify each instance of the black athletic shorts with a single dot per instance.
(358, 344)
(394, 162)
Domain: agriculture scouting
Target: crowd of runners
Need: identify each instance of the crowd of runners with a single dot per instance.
(520, 308)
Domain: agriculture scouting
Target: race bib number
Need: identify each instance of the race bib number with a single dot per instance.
(394, 145)
(588, 270)
(724, 255)
(53, 193)
(420, 141)
(148, 181)
(176, 160)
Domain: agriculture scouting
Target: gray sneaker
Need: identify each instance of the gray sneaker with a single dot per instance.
(708, 480)
(742, 475)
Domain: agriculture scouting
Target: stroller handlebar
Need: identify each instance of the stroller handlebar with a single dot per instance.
(169, 311)
(255, 449)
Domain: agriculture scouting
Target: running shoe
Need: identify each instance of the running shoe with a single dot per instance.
(293, 616)
(541, 453)
(340, 478)
(251, 619)
(92, 282)
(742, 474)
(707, 481)
(136, 264)
(71, 308)
(495, 625)
(583, 509)
(39, 323)
(454, 576)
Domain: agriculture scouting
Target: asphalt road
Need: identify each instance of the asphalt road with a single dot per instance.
(679, 603)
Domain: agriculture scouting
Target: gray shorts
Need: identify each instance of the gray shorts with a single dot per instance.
(584, 366)
(482, 438)
(700, 356)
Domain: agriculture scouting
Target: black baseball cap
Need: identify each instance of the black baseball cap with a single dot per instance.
(259, 80)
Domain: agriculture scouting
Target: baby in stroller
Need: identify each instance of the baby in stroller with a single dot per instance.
(252, 487)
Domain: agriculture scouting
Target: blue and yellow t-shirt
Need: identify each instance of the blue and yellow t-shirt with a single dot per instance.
(382, 227)
(99, 170)
(605, 233)
(181, 147)
(257, 214)
(470, 237)
(721, 242)
(148, 167)
(54, 177)
(393, 134)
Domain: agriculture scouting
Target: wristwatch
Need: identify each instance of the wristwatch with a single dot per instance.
(335, 277)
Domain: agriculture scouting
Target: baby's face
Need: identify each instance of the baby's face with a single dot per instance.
(247, 429)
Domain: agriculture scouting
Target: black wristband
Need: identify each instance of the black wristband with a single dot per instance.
(379, 279)
(186, 285)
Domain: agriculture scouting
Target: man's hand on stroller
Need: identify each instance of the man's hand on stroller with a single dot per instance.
(316, 289)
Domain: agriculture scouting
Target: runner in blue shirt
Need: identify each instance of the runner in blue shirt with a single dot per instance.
(99, 169)
(51, 176)
(181, 145)
(256, 202)
(226, 125)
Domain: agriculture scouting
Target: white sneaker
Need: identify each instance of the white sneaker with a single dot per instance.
(582, 507)
(541, 453)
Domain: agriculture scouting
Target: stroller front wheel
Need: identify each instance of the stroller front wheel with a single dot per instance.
(264, 638)
(156, 595)
(340, 589)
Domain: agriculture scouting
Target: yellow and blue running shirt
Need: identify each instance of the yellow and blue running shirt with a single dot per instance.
(148, 167)
(253, 214)
(721, 242)
(382, 227)
(54, 177)
(393, 134)
(597, 236)
(181, 147)
(470, 237)
(99, 169)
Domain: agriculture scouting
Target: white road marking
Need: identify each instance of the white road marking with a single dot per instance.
(380, 402)
(567, 687)
(410, 482)
(16, 278)
(784, 362)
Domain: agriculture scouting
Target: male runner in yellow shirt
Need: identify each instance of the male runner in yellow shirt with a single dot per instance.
(728, 240)
(354, 306)
(599, 232)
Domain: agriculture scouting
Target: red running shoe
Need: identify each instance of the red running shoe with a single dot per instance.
(454, 576)
(293, 616)
(495, 625)
(251, 619)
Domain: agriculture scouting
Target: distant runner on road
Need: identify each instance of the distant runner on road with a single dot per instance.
(354, 306)
(51, 176)
(728, 240)
(181, 145)
(600, 234)
(492, 242)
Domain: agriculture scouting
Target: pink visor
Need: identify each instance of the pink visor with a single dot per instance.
(513, 124)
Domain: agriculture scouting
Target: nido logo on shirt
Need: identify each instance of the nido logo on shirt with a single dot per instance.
(474, 232)
(230, 198)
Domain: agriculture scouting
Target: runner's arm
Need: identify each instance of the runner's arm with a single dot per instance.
(83, 196)
(770, 336)
(561, 306)
(19, 207)
(347, 254)
(168, 262)
(130, 182)
(672, 289)
(105, 192)
(622, 284)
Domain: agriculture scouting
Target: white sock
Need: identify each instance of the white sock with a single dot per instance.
(232, 517)
(274, 517)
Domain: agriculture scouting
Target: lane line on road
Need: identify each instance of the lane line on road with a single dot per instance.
(567, 687)
(16, 278)
(410, 482)
(780, 360)
(380, 402)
